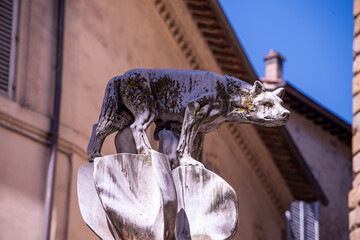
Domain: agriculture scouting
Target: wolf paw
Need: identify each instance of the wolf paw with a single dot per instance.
(186, 161)
(92, 156)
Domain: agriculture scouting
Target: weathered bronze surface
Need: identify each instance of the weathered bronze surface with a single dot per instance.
(143, 194)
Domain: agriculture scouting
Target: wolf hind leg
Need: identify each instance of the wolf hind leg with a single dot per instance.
(168, 141)
(94, 146)
(96, 142)
(99, 134)
(114, 116)
(138, 129)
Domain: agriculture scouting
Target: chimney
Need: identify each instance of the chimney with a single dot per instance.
(273, 70)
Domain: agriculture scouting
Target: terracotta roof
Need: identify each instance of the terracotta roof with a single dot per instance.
(291, 164)
(221, 39)
(318, 114)
(230, 56)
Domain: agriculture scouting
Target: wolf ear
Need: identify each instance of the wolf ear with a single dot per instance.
(279, 92)
(257, 88)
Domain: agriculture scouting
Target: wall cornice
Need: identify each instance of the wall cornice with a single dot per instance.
(177, 32)
(181, 26)
(35, 126)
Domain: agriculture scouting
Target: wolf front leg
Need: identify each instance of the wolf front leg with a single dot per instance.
(197, 146)
(195, 114)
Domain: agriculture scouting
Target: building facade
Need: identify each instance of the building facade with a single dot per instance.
(103, 39)
(323, 142)
(354, 217)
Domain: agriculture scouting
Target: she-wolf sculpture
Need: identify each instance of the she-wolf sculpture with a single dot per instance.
(187, 102)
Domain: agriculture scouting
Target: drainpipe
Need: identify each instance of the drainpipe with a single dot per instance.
(55, 121)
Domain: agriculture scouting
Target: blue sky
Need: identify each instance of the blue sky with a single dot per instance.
(315, 37)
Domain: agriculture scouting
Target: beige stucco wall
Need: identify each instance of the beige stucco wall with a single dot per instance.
(21, 186)
(331, 161)
(103, 39)
(24, 122)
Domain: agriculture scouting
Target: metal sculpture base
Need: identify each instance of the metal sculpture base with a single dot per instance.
(133, 196)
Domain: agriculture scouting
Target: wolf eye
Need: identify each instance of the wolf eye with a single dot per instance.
(268, 104)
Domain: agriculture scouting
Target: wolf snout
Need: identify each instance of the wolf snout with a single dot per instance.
(285, 114)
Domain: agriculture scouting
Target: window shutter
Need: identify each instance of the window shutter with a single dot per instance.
(303, 221)
(311, 222)
(294, 221)
(6, 13)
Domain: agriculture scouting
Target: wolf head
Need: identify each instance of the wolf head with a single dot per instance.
(260, 107)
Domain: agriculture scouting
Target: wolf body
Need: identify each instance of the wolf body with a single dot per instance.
(187, 102)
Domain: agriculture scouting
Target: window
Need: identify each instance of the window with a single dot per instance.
(303, 221)
(7, 44)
